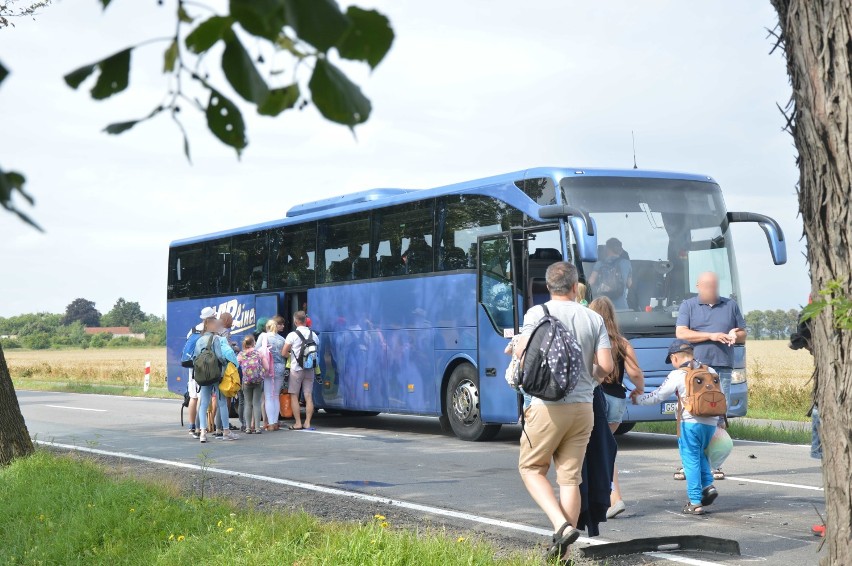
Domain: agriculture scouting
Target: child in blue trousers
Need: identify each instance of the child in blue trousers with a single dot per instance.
(695, 432)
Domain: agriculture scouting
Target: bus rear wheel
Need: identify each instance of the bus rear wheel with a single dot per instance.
(462, 406)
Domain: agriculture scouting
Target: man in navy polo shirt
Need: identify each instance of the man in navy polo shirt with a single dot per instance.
(713, 324)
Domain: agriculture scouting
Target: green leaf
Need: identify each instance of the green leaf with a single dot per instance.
(225, 121)
(10, 182)
(114, 75)
(120, 127)
(263, 18)
(4, 72)
(170, 56)
(74, 78)
(813, 310)
(207, 33)
(183, 16)
(319, 22)
(337, 98)
(279, 100)
(241, 73)
(105, 3)
(369, 37)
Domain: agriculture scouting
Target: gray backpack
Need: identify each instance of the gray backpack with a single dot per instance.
(207, 370)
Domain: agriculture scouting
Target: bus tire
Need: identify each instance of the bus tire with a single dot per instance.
(624, 428)
(462, 406)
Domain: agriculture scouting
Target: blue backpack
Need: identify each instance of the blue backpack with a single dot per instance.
(188, 354)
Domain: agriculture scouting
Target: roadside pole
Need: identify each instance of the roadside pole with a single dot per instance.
(147, 381)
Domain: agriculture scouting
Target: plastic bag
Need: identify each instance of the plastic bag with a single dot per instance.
(719, 448)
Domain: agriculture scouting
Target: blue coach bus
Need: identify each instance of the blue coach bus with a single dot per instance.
(414, 292)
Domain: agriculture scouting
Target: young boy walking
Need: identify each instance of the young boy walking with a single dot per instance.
(695, 431)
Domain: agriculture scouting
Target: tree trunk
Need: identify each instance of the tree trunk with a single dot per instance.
(817, 39)
(14, 437)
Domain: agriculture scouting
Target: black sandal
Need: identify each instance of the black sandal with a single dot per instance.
(691, 509)
(708, 495)
(562, 540)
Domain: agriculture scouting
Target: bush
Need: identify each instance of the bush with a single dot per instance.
(9, 343)
(100, 340)
(37, 341)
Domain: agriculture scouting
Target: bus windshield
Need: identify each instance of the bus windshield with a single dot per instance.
(656, 236)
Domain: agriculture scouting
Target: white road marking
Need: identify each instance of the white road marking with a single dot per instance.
(736, 441)
(777, 483)
(371, 498)
(331, 433)
(77, 408)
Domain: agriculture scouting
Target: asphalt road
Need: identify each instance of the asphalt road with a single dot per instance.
(767, 503)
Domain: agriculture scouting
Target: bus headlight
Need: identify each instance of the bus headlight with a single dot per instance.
(738, 376)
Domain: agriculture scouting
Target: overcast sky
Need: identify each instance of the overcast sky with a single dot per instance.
(469, 89)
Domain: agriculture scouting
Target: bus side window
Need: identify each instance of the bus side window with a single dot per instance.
(345, 248)
(217, 270)
(403, 243)
(293, 256)
(461, 219)
(250, 263)
(186, 269)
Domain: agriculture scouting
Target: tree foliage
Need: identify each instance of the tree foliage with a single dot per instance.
(124, 313)
(39, 331)
(771, 324)
(82, 311)
(287, 65)
(305, 32)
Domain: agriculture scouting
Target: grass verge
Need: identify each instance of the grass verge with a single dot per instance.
(96, 388)
(739, 431)
(62, 510)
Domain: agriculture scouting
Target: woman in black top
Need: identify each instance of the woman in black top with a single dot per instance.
(624, 357)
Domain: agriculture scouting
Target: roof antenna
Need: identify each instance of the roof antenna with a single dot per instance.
(634, 150)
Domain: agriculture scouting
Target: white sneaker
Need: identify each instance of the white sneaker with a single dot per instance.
(203, 436)
(616, 509)
(230, 436)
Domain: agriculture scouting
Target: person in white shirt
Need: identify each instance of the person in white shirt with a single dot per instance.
(300, 379)
(695, 432)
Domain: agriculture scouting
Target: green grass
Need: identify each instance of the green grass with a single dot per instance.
(739, 431)
(63, 510)
(96, 388)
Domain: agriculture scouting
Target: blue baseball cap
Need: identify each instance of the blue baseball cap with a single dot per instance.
(677, 347)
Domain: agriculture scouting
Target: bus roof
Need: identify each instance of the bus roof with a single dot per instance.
(499, 186)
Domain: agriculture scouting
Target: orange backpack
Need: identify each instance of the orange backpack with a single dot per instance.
(704, 397)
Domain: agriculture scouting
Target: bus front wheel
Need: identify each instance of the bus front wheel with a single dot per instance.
(624, 428)
(462, 406)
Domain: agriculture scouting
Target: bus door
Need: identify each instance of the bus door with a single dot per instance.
(537, 250)
(265, 306)
(497, 321)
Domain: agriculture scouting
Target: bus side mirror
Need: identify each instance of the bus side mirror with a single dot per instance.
(587, 245)
(774, 234)
(582, 225)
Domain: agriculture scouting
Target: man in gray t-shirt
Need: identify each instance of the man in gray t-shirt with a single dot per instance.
(588, 327)
(559, 431)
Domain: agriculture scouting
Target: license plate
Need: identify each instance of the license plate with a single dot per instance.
(669, 408)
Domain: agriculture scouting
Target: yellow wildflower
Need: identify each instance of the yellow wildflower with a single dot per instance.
(229, 530)
(132, 510)
(384, 525)
(373, 541)
(461, 539)
(41, 517)
(219, 524)
(172, 537)
(181, 538)
(379, 517)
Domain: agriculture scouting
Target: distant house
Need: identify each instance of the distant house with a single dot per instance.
(116, 331)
